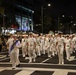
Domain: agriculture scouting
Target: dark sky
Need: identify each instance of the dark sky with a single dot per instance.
(64, 7)
(58, 7)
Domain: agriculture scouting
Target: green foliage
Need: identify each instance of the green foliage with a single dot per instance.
(61, 26)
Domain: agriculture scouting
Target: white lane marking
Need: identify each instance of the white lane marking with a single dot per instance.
(2, 56)
(8, 58)
(41, 69)
(3, 52)
(40, 64)
(45, 60)
(4, 59)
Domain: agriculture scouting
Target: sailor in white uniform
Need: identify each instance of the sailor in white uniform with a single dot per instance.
(31, 48)
(14, 54)
(38, 46)
(60, 48)
(67, 47)
(24, 45)
(9, 42)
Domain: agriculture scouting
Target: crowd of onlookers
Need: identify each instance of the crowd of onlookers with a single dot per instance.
(3, 40)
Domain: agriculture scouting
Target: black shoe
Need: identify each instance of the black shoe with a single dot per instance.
(7, 56)
(13, 68)
(18, 65)
(75, 57)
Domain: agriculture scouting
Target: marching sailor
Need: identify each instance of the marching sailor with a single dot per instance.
(14, 52)
(60, 48)
(67, 47)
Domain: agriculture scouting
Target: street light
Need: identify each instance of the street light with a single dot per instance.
(49, 5)
(42, 15)
(63, 15)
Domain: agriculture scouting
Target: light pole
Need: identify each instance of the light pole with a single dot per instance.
(42, 15)
(58, 23)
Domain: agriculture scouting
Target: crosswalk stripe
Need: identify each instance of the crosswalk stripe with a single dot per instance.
(60, 72)
(24, 72)
(29, 71)
(1, 69)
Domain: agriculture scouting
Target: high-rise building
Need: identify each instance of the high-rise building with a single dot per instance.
(19, 13)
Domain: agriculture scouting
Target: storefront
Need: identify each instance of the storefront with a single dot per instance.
(18, 15)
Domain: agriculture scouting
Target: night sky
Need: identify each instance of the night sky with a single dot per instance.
(58, 7)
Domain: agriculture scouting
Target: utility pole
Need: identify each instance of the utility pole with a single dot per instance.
(42, 17)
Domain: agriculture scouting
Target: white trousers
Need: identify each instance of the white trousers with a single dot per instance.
(14, 56)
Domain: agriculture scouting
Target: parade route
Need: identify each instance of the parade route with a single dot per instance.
(42, 66)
